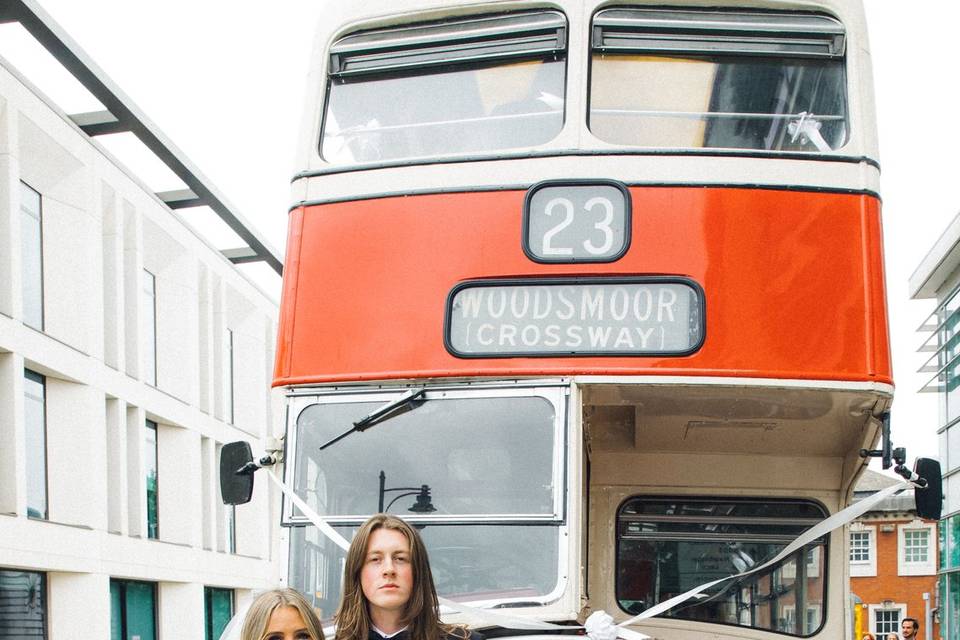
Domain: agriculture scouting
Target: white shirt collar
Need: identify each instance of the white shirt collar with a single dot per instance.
(387, 635)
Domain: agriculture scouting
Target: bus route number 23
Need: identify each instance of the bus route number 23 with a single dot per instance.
(587, 222)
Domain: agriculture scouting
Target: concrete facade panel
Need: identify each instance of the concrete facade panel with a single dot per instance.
(101, 227)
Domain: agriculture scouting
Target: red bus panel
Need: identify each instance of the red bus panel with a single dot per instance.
(793, 284)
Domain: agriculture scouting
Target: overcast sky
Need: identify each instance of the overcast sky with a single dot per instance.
(225, 81)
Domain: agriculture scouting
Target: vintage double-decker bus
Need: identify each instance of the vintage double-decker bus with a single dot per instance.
(592, 293)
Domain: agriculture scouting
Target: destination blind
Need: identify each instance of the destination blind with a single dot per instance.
(636, 316)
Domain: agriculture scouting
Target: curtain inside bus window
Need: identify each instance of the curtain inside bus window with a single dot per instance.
(667, 546)
(707, 79)
(477, 85)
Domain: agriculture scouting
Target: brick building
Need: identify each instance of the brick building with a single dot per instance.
(893, 563)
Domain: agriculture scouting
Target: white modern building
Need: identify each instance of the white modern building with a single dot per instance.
(938, 277)
(130, 351)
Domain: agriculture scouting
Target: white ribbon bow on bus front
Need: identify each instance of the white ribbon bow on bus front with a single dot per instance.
(599, 625)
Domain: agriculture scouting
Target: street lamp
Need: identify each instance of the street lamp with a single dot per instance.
(422, 504)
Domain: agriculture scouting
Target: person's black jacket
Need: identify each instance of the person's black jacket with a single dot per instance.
(405, 635)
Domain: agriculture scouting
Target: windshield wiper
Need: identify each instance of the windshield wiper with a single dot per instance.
(377, 415)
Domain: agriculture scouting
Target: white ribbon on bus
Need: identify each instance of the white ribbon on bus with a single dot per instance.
(599, 625)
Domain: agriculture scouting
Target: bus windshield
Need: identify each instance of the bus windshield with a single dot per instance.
(479, 471)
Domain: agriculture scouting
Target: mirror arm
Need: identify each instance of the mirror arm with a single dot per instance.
(910, 475)
(925, 475)
(886, 451)
(249, 468)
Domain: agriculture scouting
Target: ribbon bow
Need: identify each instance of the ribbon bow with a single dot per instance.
(600, 626)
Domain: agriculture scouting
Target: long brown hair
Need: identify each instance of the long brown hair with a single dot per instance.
(421, 614)
(258, 616)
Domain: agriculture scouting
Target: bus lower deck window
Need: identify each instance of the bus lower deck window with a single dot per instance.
(667, 546)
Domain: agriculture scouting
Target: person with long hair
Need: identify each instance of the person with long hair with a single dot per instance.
(388, 589)
(281, 614)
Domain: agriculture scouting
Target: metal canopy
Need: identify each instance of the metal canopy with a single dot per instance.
(123, 115)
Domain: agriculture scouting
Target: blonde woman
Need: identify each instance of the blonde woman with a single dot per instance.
(388, 589)
(281, 614)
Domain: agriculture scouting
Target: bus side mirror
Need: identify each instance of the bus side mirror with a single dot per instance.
(236, 486)
(929, 499)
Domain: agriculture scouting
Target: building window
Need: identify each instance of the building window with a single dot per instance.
(149, 320)
(950, 528)
(150, 471)
(23, 604)
(218, 609)
(949, 350)
(231, 384)
(31, 256)
(916, 555)
(35, 418)
(133, 610)
(859, 546)
(950, 605)
(887, 620)
(863, 550)
(915, 545)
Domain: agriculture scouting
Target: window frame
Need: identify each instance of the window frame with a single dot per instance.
(457, 42)
(874, 609)
(230, 373)
(40, 379)
(822, 576)
(38, 216)
(705, 31)
(914, 568)
(733, 33)
(868, 567)
(44, 592)
(122, 587)
(453, 36)
(556, 393)
(152, 425)
(208, 593)
(151, 377)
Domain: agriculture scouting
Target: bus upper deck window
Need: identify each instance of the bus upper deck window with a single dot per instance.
(474, 85)
(713, 79)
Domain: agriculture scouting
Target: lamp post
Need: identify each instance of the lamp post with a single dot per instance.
(422, 504)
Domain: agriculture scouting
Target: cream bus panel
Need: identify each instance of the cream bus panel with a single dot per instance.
(341, 21)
